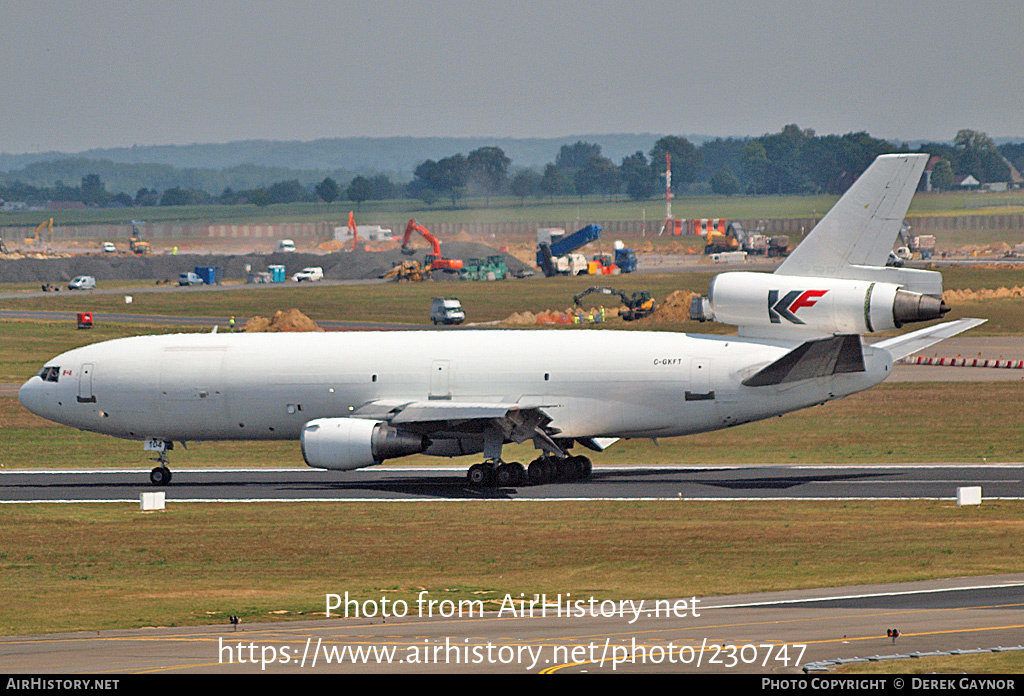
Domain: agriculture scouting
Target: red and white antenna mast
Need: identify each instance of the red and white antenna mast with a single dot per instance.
(669, 220)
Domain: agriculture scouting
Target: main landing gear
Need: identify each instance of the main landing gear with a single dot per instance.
(498, 474)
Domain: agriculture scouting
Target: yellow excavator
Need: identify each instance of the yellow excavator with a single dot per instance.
(135, 242)
(34, 239)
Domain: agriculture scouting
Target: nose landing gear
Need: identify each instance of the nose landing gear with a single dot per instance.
(160, 475)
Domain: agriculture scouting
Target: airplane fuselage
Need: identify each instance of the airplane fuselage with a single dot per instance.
(594, 383)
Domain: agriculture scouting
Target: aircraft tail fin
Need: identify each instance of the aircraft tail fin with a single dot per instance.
(855, 237)
(908, 344)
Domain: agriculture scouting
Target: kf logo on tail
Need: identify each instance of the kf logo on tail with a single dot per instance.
(790, 303)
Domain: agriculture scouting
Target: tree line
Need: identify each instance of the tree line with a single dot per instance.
(792, 161)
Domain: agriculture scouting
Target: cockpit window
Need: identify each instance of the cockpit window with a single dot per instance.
(50, 374)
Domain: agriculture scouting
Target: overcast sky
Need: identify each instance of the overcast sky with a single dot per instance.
(77, 75)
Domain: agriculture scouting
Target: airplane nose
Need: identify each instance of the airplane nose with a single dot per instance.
(29, 395)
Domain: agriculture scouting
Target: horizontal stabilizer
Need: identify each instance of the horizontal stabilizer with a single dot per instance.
(908, 344)
(818, 358)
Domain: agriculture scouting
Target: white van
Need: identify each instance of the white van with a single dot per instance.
(446, 310)
(286, 246)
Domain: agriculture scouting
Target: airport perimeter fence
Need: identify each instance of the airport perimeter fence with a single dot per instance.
(497, 231)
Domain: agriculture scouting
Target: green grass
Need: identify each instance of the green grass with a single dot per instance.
(105, 566)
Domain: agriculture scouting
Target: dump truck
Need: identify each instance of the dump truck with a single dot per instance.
(923, 244)
(559, 257)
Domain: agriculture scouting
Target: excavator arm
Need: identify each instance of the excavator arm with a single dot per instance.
(352, 228)
(638, 306)
(577, 299)
(434, 261)
(414, 226)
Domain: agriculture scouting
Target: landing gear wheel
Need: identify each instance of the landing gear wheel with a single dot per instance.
(505, 476)
(160, 476)
(480, 475)
(586, 468)
(539, 472)
(519, 470)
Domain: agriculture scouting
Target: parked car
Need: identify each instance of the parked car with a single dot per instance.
(189, 278)
(309, 274)
(82, 283)
(108, 248)
(286, 246)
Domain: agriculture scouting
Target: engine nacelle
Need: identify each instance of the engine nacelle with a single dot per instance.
(352, 443)
(821, 305)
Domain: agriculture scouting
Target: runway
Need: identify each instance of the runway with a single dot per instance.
(776, 632)
(407, 484)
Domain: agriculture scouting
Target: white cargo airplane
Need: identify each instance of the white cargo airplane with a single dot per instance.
(355, 399)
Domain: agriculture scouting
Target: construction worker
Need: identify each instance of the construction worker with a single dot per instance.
(231, 324)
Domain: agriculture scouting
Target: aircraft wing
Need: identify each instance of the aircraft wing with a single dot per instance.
(908, 344)
(396, 412)
(509, 421)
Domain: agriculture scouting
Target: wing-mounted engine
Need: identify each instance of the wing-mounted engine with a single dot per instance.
(352, 443)
(779, 305)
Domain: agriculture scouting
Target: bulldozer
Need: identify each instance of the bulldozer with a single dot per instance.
(407, 270)
(637, 306)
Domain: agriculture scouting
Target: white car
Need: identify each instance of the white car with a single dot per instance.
(309, 274)
(84, 282)
(108, 248)
(286, 246)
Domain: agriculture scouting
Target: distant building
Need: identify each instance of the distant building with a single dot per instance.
(966, 182)
(65, 205)
(9, 206)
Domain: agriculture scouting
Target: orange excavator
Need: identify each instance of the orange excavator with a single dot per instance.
(434, 261)
(352, 228)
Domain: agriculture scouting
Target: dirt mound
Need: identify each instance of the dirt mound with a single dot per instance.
(675, 308)
(968, 295)
(521, 319)
(290, 320)
(545, 317)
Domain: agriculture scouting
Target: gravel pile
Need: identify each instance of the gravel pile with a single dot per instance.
(356, 265)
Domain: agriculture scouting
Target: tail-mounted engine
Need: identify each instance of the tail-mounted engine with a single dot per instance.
(352, 443)
(808, 304)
